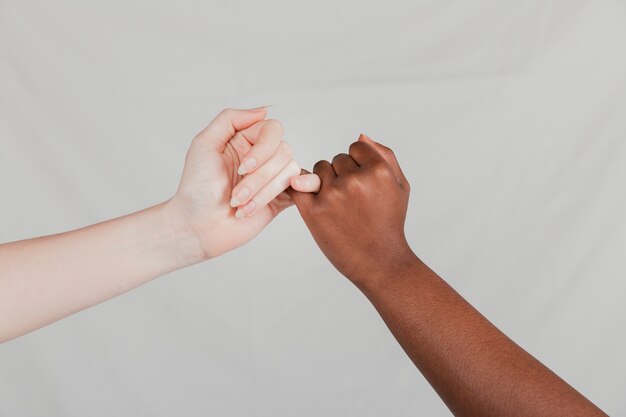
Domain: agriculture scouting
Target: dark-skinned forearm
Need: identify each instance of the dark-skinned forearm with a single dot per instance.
(474, 367)
(357, 219)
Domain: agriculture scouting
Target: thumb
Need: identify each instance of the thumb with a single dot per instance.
(388, 155)
(229, 122)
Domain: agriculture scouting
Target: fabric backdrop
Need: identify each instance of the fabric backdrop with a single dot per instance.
(509, 118)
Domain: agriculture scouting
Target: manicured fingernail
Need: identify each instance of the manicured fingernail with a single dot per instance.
(262, 108)
(242, 194)
(298, 182)
(247, 166)
(239, 214)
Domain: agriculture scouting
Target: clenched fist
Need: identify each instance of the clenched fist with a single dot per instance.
(357, 217)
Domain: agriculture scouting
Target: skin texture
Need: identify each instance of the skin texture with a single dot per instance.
(45, 279)
(357, 219)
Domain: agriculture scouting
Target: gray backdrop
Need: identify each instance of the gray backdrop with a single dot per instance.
(509, 118)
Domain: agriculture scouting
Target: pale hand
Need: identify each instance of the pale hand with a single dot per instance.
(233, 183)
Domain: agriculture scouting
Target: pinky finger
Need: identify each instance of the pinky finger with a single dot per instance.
(306, 183)
(277, 185)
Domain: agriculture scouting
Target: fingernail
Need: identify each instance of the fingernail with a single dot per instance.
(239, 214)
(298, 182)
(247, 166)
(262, 108)
(241, 196)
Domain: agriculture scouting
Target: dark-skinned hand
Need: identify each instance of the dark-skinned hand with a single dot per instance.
(357, 217)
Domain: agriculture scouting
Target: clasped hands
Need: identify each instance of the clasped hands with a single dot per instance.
(239, 174)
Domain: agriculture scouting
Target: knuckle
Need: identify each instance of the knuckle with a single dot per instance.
(383, 147)
(286, 149)
(339, 156)
(356, 147)
(293, 168)
(388, 151)
(263, 197)
(381, 170)
(355, 184)
(270, 192)
(275, 125)
(257, 180)
(227, 111)
(319, 164)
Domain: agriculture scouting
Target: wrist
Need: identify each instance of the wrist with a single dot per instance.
(183, 243)
(388, 272)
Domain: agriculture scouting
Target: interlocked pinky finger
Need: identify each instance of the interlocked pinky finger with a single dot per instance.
(277, 185)
(306, 183)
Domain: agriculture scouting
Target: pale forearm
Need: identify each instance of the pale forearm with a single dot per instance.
(232, 186)
(473, 366)
(45, 279)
